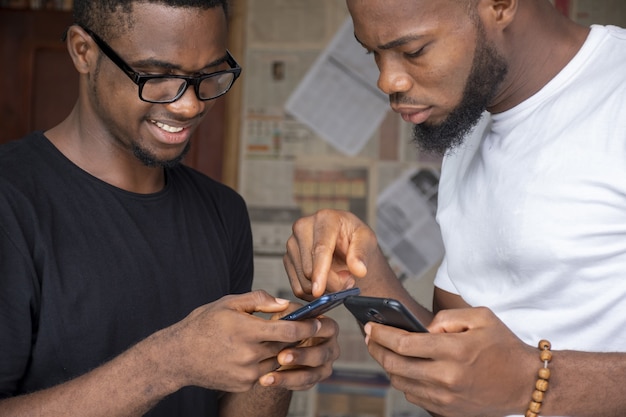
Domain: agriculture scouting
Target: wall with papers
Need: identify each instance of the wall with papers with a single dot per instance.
(317, 133)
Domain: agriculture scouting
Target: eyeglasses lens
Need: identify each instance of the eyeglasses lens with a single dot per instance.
(162, 90)
(215, 85)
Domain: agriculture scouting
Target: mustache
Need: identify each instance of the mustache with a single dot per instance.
(164, 115)
(401, 98)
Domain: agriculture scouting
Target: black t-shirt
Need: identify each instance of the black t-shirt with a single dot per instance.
(87, 269)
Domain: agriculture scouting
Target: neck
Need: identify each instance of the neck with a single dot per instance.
(541, 42)
(103, 158)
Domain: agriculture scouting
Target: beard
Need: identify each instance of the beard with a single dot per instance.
(150, 160)
(487, 73)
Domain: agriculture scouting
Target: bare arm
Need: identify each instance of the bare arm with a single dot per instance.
(134, 379)
(218, 346)
(301, 367)
(258, 402)
(334, 250)
(471, 364)
(586, 384)
(443, 300)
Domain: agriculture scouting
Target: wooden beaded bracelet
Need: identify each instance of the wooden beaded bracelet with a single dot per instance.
(541, 386)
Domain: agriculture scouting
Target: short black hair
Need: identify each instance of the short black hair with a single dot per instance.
(109, 17)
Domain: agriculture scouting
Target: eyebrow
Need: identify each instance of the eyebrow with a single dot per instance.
(156, 63)
(394, 43)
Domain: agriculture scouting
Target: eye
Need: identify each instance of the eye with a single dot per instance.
(416, 54)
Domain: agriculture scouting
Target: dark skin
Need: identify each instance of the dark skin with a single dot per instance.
(470, 364)
(109, 116)
(221, 345)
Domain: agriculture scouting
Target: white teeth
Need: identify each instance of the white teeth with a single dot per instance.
(168, 128)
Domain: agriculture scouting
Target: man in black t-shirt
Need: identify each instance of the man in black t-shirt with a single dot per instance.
(125, 276)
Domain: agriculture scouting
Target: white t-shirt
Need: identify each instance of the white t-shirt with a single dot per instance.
(533, 207)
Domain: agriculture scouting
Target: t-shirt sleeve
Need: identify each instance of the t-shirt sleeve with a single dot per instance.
(18, 306)
(442, 279)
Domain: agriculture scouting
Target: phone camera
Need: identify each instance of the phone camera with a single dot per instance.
(375, 315)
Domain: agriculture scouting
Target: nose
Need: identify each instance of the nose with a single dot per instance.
(393, 77)
(189, 105)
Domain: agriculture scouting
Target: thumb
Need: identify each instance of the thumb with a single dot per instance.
(259, 301)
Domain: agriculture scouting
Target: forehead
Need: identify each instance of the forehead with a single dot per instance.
(165, 31)
(378, 22)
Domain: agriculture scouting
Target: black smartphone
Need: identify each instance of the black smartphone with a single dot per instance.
(321, 305)
(385, 311)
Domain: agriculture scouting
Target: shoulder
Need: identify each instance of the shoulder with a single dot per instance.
(14, 155)
(20, 163)
(204, 186)
(607, 43)
(616, 32)
(24, 158)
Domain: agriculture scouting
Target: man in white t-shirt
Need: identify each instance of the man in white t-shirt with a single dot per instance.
(529, 109)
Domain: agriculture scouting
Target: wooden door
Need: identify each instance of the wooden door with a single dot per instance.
(38, 81)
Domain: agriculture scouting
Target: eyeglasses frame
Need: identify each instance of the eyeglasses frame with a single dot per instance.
(141, 79)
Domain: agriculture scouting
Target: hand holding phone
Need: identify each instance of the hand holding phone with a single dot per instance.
(321, 305)
(385, 311)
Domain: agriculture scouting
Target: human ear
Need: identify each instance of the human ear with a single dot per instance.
(504, 11)
(498, 13)
(81, 48)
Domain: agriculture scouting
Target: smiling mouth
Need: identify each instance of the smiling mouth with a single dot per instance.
(168, 128)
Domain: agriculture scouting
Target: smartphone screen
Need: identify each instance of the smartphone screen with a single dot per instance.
(321, 305)
(385, 311)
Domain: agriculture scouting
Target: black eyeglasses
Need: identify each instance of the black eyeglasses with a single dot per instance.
(169, 88)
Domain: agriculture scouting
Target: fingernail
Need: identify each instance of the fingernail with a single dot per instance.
(367, 329)
(318, 326)
(316, 287)
(268, 380)
(287, 359)
(281, 301)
